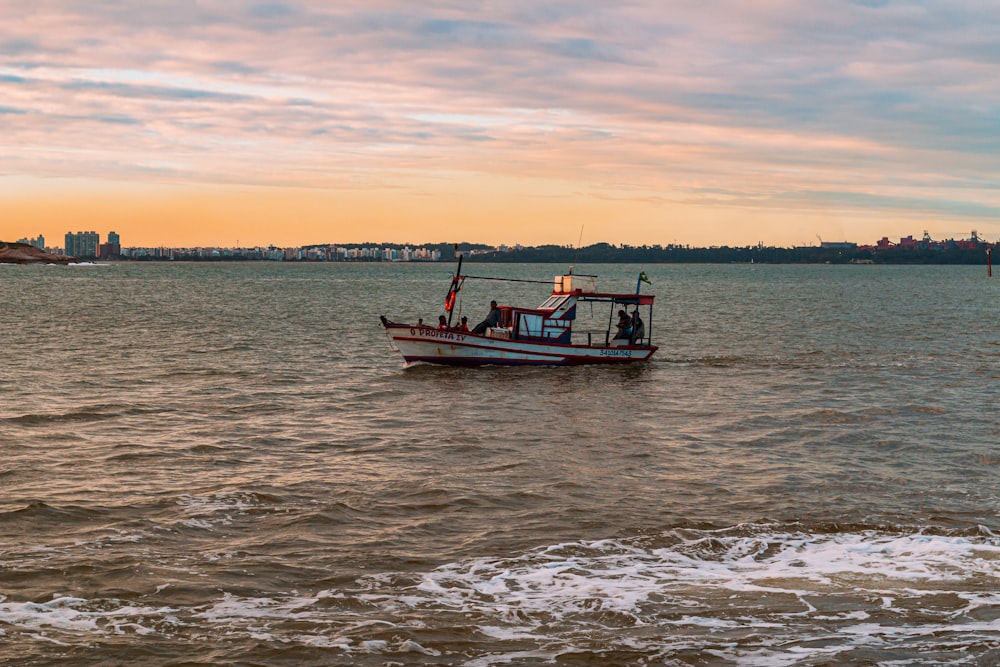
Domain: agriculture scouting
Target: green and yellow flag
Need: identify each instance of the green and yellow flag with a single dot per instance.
(642, 279)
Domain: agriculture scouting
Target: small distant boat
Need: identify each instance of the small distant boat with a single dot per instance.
(541, 336)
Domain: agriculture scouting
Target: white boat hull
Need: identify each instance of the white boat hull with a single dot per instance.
(436, 346)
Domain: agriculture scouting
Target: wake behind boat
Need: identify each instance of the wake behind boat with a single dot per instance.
(541, 336)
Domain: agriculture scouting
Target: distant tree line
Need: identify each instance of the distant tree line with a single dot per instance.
(609, 254)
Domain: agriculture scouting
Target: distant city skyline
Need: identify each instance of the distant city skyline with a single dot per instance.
(87, 244)
(413, 240)
(216, 124)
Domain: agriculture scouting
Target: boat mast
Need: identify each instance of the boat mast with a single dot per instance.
(456, 285)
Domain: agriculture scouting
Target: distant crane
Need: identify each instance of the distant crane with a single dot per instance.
(820, 240)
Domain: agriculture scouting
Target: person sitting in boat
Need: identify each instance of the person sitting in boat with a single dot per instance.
(624, 326)
(638, 328)
(463, 325)
(443, 322)
(492, 320)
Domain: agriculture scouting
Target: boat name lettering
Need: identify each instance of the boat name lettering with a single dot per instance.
(437, 333)
(616, 353)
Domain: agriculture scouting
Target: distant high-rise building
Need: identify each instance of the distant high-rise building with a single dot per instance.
(82, 244)
(90, 242)
(112, 249)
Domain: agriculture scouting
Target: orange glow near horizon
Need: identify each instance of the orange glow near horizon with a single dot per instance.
(503, 211)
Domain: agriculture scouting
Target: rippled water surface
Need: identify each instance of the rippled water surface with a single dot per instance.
(226, 463)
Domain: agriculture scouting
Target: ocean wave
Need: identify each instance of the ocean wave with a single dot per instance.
(91, 413)
(39, 510)
(817, 360)
(210, 372)
(39, 419)
(207, 511)
(753, 594)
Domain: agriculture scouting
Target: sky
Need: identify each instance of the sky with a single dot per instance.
(718, 122)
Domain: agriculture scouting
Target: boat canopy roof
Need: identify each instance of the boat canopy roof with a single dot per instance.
(631, 299)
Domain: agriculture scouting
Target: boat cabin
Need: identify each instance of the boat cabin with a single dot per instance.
(552, 321)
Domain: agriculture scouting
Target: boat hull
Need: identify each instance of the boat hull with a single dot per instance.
(455, 348)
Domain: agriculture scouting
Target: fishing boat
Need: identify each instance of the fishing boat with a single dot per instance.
(541, 336)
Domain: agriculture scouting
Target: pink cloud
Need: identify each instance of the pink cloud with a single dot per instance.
(640, 99)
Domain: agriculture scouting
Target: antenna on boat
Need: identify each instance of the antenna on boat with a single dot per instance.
(577, 252)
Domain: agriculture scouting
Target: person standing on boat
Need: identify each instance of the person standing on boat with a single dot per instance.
(463, 325)
(492, 319)
(442, 323)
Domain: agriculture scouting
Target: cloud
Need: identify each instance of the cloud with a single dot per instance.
(162, 93)
(18, 45)
(639, 99)
(113, 119)
(271, 10)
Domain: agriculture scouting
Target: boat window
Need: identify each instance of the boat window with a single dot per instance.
(552, 302)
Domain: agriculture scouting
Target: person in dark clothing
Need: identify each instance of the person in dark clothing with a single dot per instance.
(492, 319)
(624, 326)
(638, 328)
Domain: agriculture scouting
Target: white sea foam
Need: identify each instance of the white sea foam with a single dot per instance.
(642, 585)
(76, 615)
(193, 505)
(218, 509)
(410, 646)
(58, 612)
(621, 576)
(119, 536)
(513, 658)
(321, 641)
(232, 607)
(750, 595)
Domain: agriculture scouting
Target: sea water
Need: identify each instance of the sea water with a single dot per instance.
(226, 463)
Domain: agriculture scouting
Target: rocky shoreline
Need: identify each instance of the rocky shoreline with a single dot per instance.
(22, 253)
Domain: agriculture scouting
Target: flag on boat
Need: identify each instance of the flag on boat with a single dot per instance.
(644, 278)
